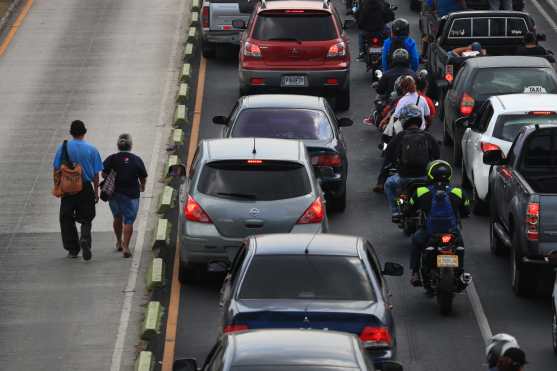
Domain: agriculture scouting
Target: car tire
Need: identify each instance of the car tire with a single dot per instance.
(523, 278)
(479, 207)
(190, 272)
(209, 50)
(342, 100)
(337, 204)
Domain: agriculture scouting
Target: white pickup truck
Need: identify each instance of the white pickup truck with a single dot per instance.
(216, 24)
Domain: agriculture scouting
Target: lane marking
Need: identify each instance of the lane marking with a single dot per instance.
(13, 29)
(479, 313)
(174, 304)
(545, 14)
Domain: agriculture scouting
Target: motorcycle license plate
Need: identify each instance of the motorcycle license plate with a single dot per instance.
(447, 261)
(375, 50)
(293, 81)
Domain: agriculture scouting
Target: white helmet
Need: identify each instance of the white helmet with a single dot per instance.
(497, 345)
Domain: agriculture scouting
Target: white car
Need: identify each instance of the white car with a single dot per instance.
(495, 126)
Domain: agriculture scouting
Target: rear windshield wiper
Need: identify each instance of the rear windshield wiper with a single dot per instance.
(246, 196)
(285, 39)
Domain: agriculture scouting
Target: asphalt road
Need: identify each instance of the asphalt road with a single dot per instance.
(426, 340)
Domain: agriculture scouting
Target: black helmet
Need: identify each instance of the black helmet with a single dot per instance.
(410, 115)
(400, 27)
(439, 171)
(421, 79)
(400, 57)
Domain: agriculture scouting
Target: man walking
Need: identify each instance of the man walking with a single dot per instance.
(79, 207)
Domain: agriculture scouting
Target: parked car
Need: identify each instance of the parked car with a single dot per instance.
(302, 117)
(286, 350)
(554, 305)
(217, 27)
(310, 281)
(495, 126)
(240, 187)
(296, 47)
(523, 205)
(482, 77)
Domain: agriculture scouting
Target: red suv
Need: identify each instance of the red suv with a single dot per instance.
(293, 46)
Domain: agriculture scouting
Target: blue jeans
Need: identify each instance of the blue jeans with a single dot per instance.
(392, 189)
(124, 207)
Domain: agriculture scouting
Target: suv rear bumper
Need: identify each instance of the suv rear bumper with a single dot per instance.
(222, 37)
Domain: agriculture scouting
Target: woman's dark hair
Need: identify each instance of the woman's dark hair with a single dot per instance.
(124, 142)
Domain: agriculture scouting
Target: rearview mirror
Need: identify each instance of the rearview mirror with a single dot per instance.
(239, 24)
(177, 171)
(494, 157)
(187, 364)
(220, 120)
(392, 366)
(348, 23)
(344, 121)
(393, 269)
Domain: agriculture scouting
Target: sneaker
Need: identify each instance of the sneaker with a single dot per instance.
(72, 255)
(396, 218)
(85, 249)
(378, 188)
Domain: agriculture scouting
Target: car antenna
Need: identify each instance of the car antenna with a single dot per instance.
(306, 249)
(254, 151)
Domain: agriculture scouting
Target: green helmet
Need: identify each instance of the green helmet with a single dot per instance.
(439, 171)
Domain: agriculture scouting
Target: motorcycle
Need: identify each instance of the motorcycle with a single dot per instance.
(441, 270)
(373, 52)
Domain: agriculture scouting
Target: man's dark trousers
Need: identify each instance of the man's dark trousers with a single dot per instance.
(78, 208)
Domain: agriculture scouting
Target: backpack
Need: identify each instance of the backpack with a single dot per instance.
(414, 150)
(441, 217)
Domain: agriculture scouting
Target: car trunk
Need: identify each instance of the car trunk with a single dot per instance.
(292, 54)
(222, 13)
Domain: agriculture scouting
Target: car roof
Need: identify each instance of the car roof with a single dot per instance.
(265, 149)
(283, 101)
(488, 13)
(507, 61)
(316, 244)
(295, 4)
(526, 102)
(293, 347)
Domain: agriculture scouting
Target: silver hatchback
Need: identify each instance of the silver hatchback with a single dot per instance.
(240, 187)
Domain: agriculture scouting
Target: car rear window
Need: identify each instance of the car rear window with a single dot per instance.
(508, 126)
(299, 26)
(283, 123)
(497, 81)
(316, 277)
(541, 151)
(488, 28)
(254, 180)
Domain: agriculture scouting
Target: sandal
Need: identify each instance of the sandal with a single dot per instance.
(127, 254)
(118, 246)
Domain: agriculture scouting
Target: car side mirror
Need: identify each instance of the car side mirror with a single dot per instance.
(541, 37)
(187, 364)
(393, 269)
(348, 23)
(392, 366)
(177, 171)
(344, 121)
(494, 157)
(220, 120)
(239, 24)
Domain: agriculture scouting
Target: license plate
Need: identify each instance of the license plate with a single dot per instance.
(375, 50)
(293, 81)
(447, 261)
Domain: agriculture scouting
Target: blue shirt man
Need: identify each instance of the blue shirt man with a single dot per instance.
(409, 44)
(83, 153)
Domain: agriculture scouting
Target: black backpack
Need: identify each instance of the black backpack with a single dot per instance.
(414, 150)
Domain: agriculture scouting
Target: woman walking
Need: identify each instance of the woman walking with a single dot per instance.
(130, 179)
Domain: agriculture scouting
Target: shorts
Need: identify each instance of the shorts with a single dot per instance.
(125, 207)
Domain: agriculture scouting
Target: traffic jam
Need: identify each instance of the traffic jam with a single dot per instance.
(285, 222)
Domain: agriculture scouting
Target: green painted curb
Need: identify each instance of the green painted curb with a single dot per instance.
(163, 233)
(167, 199)
(180, 115)
(183, 93)
(195, 4)
(192, 33)
(186, 72)
(189, 51)
(178, 136)
(144, 362)
(194, 18)
(152, 321)
(155, 275)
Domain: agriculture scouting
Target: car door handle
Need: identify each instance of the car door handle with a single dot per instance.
(254, 223)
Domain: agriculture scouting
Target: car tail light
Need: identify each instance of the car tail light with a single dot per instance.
(375, 337)
(252, 50)
(449, 73)
(314, 213)
(375, 41)
(327, 160)
(541, 113)
(467, 105)
(234, 328)
(294, 11)
(337, 50)
(257, 81)
(205, 17)
(254, 162)
(331, 81)
(486, 147)
(195, 213)
(532, 221)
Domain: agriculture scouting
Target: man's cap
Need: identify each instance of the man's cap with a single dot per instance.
(517, 355)
(476, 46)
(77, 128)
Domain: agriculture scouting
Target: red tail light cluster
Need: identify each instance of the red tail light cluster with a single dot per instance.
(194, 212)
(486, 147)
(375, 41)
(234, 328)
(532, 221)
(252, 50)
(333, 160)
(466, 105)
(449, 73)
(337, 50)
(205, 17)
(314, 213)
(376, 337)
(447, 238)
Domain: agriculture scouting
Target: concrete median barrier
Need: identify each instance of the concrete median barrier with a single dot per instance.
(155, 275)
(167, 199)
(178, 137)
(195, 4)
(194, 18)
(162, 235)
(188, 52)
(180, 117)
(152, 321)
(186, 72)
(192, 33)
(145, 361)
(183, 93)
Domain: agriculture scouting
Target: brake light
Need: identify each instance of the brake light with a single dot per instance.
(541, 113)
(449, 73)
(205, 17)
(257, 81)
(532, 221)
(375, 337)
(252, 50)
(313, 214)
(195, 213)
(375, 41)
(254, 162)
(486, 147)
(331, 81)
(337, 50)
(234, 328)
(446, 238)
(294, 11)
(327, 160)
(467, 105)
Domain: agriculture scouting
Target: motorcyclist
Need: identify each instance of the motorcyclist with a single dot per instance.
(411, 96)
(439, 175)
(409, 151)
(504, 354)
(400, 62)
(400, 38)
(422, 83)
(370, 19)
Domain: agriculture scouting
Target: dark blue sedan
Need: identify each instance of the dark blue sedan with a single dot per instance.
(305, 281)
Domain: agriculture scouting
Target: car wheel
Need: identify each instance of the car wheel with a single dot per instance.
(479, 207)
(190, 272)
(338, 203)
(342, 100)
(523, 277)
(209, 50)
(554, 330)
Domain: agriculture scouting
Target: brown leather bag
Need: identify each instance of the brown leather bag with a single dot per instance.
(68, 180)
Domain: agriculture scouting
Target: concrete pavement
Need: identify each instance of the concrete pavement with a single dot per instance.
(112, 64)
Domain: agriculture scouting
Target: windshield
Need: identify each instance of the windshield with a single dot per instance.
(508, 126)
(258, 181)
(315, 277)
(497, 81)
(283, 124)
(294, 27)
